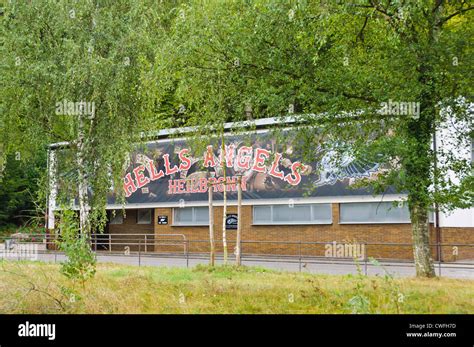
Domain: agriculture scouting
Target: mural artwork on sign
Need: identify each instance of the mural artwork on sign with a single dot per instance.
(172, 171)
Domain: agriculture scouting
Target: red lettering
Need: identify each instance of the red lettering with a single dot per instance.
(212, 182)
(295, 171)
(259, 162)
(194, 185)
(220, 185)
(229, 155)
(141, 179)
(243, 157)
(203, 185)
(129, 185)
(189, 185)
(243, 184)
(180, 189)
(231, 183)
(154, 175)
(168, 169)
(274, 170)
(172, 186)
(185, 161)
(209, 158)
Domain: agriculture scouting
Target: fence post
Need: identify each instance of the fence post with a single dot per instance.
(110, 243)
(139, 252)
(365, 258)
(187, 253)
(299, 262)
(439, 259)
(241, 253)
(145, 242)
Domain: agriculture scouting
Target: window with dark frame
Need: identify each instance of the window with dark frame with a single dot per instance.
(116, 217)
(144, 216)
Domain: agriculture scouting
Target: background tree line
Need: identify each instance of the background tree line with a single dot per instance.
(151, 65)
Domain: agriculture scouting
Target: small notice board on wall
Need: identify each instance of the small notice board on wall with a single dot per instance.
(163, 220)
(231, 221)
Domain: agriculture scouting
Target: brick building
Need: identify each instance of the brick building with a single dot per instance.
(290, 205)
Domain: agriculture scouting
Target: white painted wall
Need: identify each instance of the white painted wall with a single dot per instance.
(447, 142)
(458, 218)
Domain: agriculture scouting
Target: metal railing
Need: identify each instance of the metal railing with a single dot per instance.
(297, 252)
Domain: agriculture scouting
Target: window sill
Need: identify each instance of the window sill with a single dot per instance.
(352, 223)
(288, 223)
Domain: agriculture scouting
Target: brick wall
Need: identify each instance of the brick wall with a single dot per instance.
(381, 239)
(130, 226)
(458, 239)
(272, 235)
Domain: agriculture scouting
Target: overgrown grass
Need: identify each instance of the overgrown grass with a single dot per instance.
(28, 287)
(9, 229)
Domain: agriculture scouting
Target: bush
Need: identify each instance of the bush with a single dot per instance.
(81, 262)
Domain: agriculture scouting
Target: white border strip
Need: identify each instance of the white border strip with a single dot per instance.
(251, 202)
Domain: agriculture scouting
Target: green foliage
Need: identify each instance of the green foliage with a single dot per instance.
(334, 64)
(34, 232)
(157, 289)
(367, 290)
(391, 287)
(340, 61)
(360, 302)
(70, 294)
(88, 51)
(149, 65)
(18, 192)
(81, 262)
(228, 269)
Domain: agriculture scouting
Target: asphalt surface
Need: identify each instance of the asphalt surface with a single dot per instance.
(463, 270)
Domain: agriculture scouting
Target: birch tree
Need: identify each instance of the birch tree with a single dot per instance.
(224, 194)
(342, 61)
(62, 59)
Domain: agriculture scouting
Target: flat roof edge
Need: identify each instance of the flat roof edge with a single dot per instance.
(258, 123)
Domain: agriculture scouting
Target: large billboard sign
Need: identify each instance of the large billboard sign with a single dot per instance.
(171, 170)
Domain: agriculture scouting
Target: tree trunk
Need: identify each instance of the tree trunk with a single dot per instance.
(224, 231)
(52, 188)
(224, 209)
(421, 132)
(238, 250)
(421, 241)
(211, 228)
(82, 178)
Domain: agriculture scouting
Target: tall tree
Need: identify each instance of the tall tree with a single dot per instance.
(72, 71)
(18, 191)
(343, 62)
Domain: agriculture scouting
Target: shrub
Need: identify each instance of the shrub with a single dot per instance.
(81, 262)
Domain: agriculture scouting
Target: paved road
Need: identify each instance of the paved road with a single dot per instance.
(310, 265)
